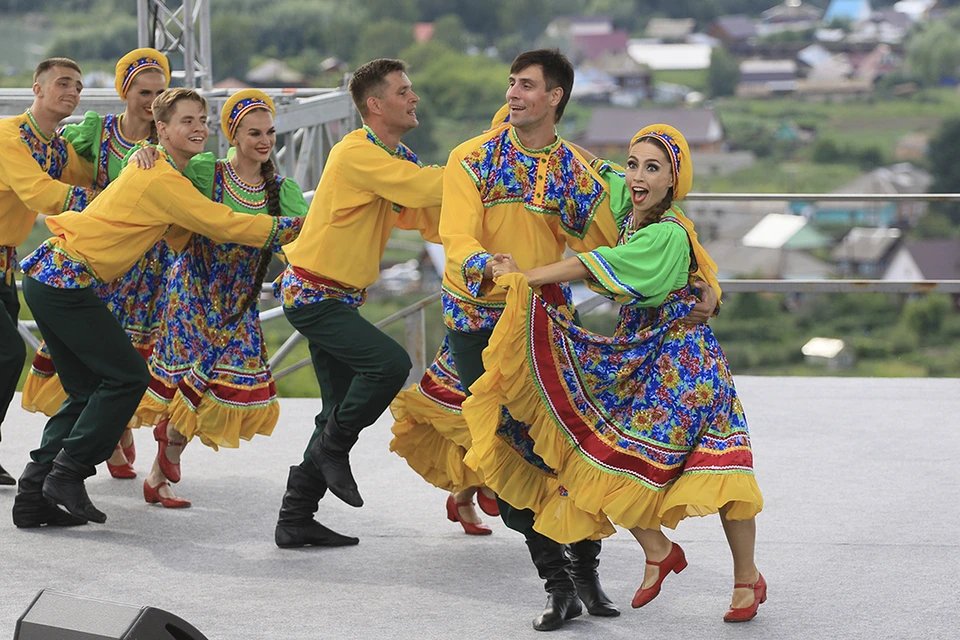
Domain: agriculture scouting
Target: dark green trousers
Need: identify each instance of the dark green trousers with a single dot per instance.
(102, 373)
(12, 349)
(360, 369)
(467, 351)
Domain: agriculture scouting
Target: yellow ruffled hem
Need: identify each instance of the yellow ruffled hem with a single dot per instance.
(150, 411)
(592, 490)
(701, 494)
(42, 394)
(218, 425)
(418, 439)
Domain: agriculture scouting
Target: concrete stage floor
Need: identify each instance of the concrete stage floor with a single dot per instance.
(859, 537)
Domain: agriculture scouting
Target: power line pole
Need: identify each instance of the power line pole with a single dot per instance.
(180, 30)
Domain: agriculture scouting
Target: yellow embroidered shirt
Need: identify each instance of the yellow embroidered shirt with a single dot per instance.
(499, 197)
(37, 175)
(103, 241)
(365, 191)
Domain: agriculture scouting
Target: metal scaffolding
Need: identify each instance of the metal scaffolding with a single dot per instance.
(182, 33)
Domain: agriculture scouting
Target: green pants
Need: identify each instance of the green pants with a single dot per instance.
(467, 351)
(103, 375)
(360, 369)
(12, 349)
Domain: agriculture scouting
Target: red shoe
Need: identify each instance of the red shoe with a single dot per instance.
(152, 496)
(131, 452)
(123, 471)
(748, 613)
(169, 469)
(675, 561)
(453, 515)
(488, 505)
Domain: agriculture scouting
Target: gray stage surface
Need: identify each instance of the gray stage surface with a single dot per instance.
(859, 537)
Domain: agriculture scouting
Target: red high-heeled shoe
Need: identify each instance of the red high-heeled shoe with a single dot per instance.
(131, 452)
(152, 496)
(123, 471)
(453, 515)
(742, 614)
(675, 561)
(169, 469)
(488, 505)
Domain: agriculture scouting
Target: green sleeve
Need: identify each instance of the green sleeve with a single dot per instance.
(654, 262)
(84, 136)
(613, 175)
(292, 202)
(200, 171)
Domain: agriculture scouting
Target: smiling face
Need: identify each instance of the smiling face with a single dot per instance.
(144, 89)
(185, 132)
(529, 100)
(649, 176)
(256, 136)
(58, 90)
(397, 108)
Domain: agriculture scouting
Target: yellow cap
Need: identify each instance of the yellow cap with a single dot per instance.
(240, 104)
(136, 61)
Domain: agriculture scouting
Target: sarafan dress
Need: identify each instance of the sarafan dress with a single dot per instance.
(136, 298)
(209, 371)
(640, 429)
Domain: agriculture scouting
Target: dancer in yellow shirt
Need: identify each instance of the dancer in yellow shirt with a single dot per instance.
(39, 173)
(370, 184)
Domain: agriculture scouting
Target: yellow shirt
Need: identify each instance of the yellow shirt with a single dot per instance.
(138, 208)
(37, 175)
(365, 191)
(499, 197)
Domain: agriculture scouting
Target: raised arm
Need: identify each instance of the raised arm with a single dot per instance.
(369, 168)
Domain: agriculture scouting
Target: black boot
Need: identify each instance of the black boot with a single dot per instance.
(331, 454)
(554, 567)
(584, 560)
(64, 485)
(296, 526)
(31, 509)
(6, 478)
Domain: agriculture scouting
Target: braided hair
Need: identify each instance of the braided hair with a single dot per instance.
(272, 188)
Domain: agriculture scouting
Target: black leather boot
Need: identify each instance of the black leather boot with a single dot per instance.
(331, 454)
(6, 478)
(296, 526)
(31, 509)
(584, 560)
(64, 485)
(554, 567)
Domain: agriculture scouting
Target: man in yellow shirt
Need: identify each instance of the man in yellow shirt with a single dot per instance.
(520, 189)
(39, 173)
(103, 374)
(370, 184)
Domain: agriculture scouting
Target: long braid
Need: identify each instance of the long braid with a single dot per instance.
(269, 173)
(154, 138)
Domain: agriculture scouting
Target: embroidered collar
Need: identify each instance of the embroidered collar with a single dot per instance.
(37, 129)
(545, 151)
(166, 155)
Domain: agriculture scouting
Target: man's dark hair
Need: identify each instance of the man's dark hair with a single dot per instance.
(557, 72)
(50, 63)
(370, 79)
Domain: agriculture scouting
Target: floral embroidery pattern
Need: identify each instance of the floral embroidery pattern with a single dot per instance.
(295, 289)
(505, 173)
(54, 267)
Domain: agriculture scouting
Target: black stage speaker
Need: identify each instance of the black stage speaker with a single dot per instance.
(60, 616)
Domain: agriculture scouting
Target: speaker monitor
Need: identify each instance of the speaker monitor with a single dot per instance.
(60, 616)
